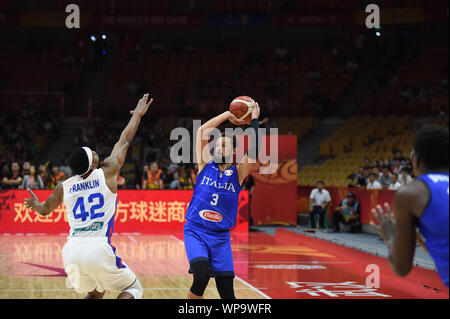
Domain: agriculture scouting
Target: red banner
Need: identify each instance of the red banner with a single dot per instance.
(137, 211)
(275, 195)
(367, 199)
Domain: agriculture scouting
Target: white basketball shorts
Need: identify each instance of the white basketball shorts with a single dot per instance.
(91, 263)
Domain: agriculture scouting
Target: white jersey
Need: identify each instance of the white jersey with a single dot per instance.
(90, 205)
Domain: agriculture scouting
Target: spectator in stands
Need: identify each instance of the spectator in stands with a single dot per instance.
(397, 167)
(185, 179)
(394, 182)
(408, 166)
(26, 168)
(5, 173)
(167, 177)
(398, 156)
(13, 179)
(65, 168)
(385, 177)
(320, 199)
(376, 171)
(361, 177)
(194, 171)
(172, 168)
(405, 178)
(55, 177)
(121, 182)
(32, 180)
(347, 213)
(366, 174)
(373, 182)
(175, 183)
(43, 173)
(153, 178)
(142, 180)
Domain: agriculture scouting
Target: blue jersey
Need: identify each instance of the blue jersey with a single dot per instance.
(214, 203)
(433, 223)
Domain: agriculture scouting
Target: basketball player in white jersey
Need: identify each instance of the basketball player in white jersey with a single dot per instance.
(90, 197)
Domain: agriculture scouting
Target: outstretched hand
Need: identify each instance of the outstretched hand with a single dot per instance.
(142, 106)
(31, 202)
(385, 222)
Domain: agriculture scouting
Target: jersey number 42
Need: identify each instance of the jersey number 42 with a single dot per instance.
(79, 205)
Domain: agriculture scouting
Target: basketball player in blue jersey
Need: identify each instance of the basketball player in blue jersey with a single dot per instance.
(213, 208)
(423, 204)
(90, 197)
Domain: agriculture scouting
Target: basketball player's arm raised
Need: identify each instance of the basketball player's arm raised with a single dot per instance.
(252, 154)
(49, 205)
(201, 150)
(112, 164)
(399, 233)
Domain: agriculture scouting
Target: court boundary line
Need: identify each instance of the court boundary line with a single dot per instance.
(237, 277)
(71, 290)
(294, 262)
(363, 247)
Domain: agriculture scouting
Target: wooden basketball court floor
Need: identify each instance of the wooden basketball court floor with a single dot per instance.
(286, 265)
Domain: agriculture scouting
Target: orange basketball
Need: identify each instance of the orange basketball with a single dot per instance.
(242, 108)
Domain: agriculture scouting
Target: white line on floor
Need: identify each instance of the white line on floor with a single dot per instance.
(292, 262)
(238, 278)
(152, 288)
(132, 239)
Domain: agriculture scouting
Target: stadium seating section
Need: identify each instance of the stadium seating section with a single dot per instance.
(36, 78)
(170, 75)
(358, 138)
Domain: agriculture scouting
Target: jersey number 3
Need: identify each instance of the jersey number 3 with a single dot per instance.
(215, 198)
(98, 197)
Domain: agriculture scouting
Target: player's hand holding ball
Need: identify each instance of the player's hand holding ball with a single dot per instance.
(233, 119)
(256, 111)
(243, 109)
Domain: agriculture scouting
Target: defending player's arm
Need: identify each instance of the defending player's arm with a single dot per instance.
(49, 205)
(115, 161)
(399, 234)
(201, 150)
(252, 154)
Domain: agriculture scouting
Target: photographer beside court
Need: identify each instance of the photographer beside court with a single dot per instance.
(348, 214)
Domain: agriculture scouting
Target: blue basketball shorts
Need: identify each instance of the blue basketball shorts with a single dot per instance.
(214, 247)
